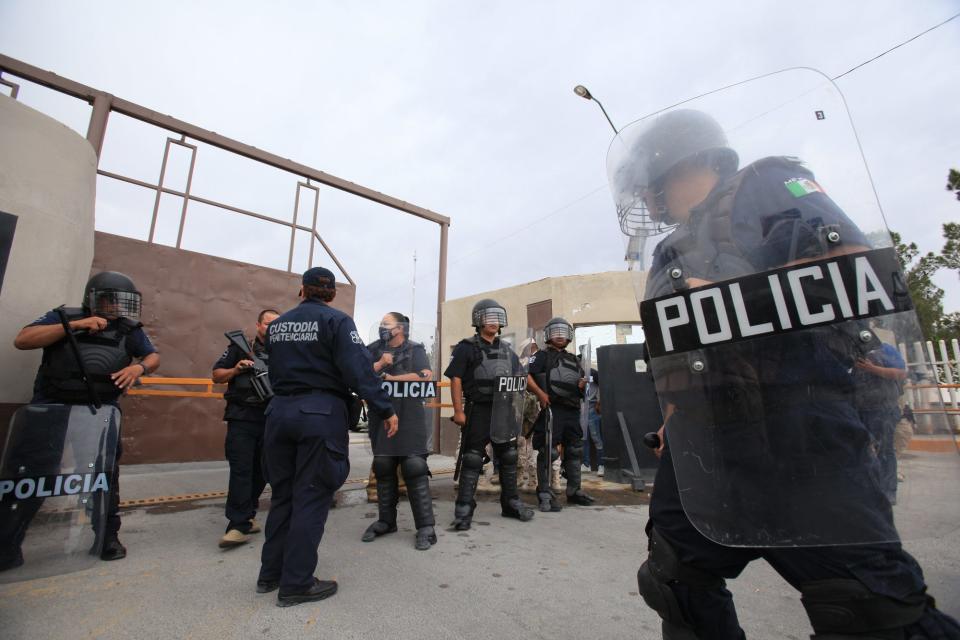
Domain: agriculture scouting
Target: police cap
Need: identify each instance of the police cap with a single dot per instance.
(319, 277)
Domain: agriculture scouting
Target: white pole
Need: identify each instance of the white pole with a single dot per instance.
(948, 372)
(413, 295)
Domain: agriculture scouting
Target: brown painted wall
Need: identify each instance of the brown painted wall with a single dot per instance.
(189, 301)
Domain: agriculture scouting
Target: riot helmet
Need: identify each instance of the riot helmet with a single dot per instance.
(488, 311)
(558, 328)
(110, 294)
(645, 153)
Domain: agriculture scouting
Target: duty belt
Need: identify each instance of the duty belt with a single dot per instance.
(307, 392)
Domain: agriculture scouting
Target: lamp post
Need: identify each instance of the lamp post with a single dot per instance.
(584, 93)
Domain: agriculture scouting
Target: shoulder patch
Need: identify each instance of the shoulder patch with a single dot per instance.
(799, 187)
(355, 337)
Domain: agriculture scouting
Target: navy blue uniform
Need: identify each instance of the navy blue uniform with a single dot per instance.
(137, 345)
(243, 445)
(316, 358)
(471, 357)
(877, 400)
(566, 413)
(799, 380)
(477, 404)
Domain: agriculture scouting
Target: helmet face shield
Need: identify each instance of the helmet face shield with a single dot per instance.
(109, 303)
(558, 329)
(645, 152)
(490, 315)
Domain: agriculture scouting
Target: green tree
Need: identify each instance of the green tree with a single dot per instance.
(948, 327)
(953, 182)
(918, 271)
(950, 257)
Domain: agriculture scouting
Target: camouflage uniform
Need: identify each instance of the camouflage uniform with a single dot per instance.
(528, 456)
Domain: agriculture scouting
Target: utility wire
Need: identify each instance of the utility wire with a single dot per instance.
(936, 26)
(519, 230)
(585, 196)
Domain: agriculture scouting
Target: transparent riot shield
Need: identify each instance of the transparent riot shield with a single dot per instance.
(590, 390)
(777, 319)
(405, 358)
(55, 482)
(509, 385)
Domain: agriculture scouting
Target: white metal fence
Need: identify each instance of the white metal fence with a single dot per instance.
(932, 390)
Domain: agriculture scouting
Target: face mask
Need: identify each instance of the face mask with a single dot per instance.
(386, 334)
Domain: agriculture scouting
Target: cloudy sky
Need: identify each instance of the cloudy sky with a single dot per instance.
(468, 110)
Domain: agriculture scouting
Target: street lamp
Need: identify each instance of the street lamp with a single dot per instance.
(584, 93)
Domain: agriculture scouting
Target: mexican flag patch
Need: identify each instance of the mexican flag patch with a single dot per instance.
(799, 187)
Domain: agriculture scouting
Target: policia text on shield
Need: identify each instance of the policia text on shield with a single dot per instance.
(755, 311)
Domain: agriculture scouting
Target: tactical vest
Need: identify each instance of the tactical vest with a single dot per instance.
(562, 376)
(491, 364)
(103, 353)
(240, 388)
(402, 357)
(704, 248)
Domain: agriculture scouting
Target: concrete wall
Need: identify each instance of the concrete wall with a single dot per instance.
(189, 301)
(48, 180)
(595, 298)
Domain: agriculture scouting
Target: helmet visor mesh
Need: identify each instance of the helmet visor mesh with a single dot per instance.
(636, 218)
(559, 331)
(490, 315)
(109, 303)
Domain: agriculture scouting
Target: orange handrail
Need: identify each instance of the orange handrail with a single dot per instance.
(207, 383)
(208, 391)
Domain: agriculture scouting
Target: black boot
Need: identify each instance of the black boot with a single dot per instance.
(548, 501)
(112, 549)
(463, 510)
(572, 457)
(385, 469)
(416, 474)
(510, 504)
(426, 538)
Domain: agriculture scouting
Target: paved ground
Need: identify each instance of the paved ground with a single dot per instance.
(566, 575)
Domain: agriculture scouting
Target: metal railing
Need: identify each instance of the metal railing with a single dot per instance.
(935, 390)
(208, 389)
(103, 104)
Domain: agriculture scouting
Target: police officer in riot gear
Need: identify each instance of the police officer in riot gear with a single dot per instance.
(729, 224)
(316, 358)
(475, 364)
(115, 352)
(401, 361)
(245, 423)
(556, 378)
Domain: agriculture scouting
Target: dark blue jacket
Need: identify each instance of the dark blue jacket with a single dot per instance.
(316, 347)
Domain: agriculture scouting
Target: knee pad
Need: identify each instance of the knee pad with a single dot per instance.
(660, 597)
(384, 466)
(574, 452)
(508, 456)
(414, 467)
(842, 606)
(665, 566)
(472, 460)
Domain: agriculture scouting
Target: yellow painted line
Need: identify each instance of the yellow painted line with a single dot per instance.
(191, 497)
(933, 445)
